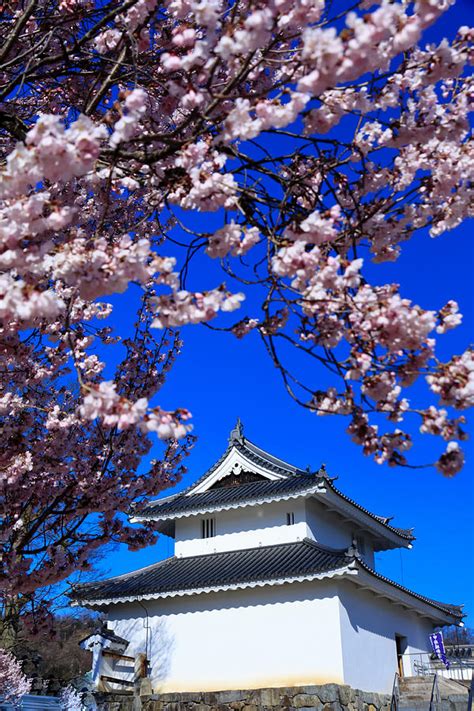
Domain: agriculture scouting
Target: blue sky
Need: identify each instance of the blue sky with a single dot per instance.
(219, 378)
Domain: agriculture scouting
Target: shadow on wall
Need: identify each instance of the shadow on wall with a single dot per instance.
(149, 635)
(259, 596)
(369, 613)
(210, 622)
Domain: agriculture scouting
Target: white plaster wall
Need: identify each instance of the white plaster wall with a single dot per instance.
(262, 637)
(368, 628)
(328, 529)
(246, 527)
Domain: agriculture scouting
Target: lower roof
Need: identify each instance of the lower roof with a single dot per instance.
(192, 573)
(265, 565)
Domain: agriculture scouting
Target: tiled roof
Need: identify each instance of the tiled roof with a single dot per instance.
(256, 455)
(266, 563)
(253, 566)
(384, 520)
(454, 610)
(104, 632)
(265, 459)
(216, 498)
(296, 481)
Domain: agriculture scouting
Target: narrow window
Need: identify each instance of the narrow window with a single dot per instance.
(290, 518)
(208, 528)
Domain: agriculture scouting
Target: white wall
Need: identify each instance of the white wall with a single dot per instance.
(263, 637)
(246, 527)
(328, 529)
(265, 525)
(368, 628)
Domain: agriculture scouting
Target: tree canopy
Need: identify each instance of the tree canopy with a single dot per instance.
(288, 141)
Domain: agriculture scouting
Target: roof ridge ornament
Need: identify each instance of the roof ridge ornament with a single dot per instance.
(322, 472)
(237, 433)
(353, 550)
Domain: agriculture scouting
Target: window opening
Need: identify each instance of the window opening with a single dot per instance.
(290, 518)
(208, 528)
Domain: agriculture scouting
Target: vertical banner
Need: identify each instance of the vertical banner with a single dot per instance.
(437, 643)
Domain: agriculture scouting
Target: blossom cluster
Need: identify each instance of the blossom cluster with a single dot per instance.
(285, 143)
(13, 683)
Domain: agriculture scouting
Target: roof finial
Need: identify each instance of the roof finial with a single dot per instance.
(237, 434)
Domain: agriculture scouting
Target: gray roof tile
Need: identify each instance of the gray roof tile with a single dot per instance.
(295, 480)
(263, 564)
(214, 569)
(227, 495)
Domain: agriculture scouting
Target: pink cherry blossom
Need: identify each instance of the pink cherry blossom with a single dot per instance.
(140, 140)
(452, 461)
(13, 683)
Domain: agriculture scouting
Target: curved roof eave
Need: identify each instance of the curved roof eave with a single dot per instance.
(279, 564)
(274, 465)
(452, 614)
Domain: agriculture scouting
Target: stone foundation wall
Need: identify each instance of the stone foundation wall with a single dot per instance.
(329, 697)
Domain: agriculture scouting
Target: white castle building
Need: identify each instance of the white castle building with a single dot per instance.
(272, 583)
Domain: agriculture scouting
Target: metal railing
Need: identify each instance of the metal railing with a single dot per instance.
(395, 700)
(435, 695)
(425, 664)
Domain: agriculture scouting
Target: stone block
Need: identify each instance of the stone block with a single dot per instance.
(332, 706)
(250, 707)
(201, 707)
(302, 700)
(210, 697)
(368, 697)
(254, 698)
(328, 693)
(188, 697)
(145, 688)
(270, 697)
(346, 695)
(225, 697)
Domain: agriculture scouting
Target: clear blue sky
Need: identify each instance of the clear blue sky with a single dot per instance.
(219, 378)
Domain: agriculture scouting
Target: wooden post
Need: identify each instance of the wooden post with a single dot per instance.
(141, 664)
(142, 686)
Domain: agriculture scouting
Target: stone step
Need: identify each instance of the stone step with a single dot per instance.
(421, 690)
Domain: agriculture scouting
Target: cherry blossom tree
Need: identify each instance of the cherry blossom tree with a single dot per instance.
(71, 700)
(68, 477)
(13, 683)
(308, 139)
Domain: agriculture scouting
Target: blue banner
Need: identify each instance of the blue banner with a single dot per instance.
(437, 644)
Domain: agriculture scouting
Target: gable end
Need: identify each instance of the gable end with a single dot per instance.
(233, 479)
